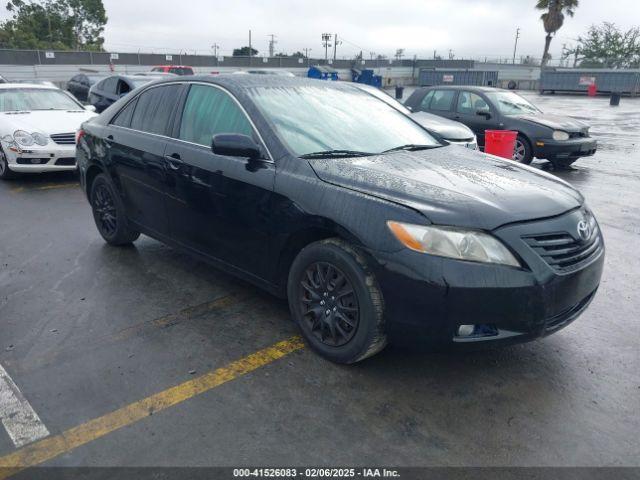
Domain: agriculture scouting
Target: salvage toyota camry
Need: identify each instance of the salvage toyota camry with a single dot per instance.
(374, 230)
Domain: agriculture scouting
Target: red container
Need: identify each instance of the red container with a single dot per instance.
(592, 90)
(500, 143)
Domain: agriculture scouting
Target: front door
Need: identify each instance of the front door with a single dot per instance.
(218, 205)
(475, 112)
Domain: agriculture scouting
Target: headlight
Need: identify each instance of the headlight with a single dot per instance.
(451, 242)
(23, 138)
(560, 136)
(40, 139)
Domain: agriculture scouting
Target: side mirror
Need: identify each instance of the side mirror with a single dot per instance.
(235, 145)
(90, 108)
(484, 113)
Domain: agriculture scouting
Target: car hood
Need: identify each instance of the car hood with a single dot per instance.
(448, 129)
(454, 186)
(44, 121)
(556, 122)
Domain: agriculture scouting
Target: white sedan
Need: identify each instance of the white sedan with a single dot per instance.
(38, 125)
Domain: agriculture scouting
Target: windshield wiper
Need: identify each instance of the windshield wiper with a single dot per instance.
(411, 147)
(336, 154)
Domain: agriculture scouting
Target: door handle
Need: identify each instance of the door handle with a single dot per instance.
(174, 161)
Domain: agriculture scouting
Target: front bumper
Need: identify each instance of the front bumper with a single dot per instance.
(470, 143)
(428, 298)
(572, 148)
(49, 158)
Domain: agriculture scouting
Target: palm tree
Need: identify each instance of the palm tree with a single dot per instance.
(553, 18)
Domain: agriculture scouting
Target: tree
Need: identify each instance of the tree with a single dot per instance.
(54, 24)
(281, 54)
(297, 54)
(244, 52)
(607, 46)
(553, 19)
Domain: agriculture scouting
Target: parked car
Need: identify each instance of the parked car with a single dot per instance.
(38, 127)
(34, 82)
(559, 139)
(111, 88)
(80, 84)
(453, 132)
(326, 195)
(175, 69)
(155, 74)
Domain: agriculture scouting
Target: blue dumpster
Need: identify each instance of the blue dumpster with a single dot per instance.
(322, 72)
(367, 77)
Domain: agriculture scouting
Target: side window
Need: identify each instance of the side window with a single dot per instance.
(470, 103)
(109, 85)
(123, 118)
(153, 109)
(424, 105)
(442, 100)
(209, 111)
(157, 69)
(123, 87)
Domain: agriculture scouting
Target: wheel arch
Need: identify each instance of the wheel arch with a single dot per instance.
(320, 229)
(92, 172)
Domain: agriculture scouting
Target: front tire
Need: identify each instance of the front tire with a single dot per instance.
(5, 172)
(109, 214)
(335, 300)
(522, 151)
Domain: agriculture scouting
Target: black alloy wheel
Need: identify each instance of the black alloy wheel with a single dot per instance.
(105, 209)
(109, 213)
(329, 304)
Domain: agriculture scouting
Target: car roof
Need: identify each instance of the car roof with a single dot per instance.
(40, 86)
(243, 82)
(479, 88)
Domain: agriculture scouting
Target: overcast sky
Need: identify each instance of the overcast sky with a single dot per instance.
(471, 28)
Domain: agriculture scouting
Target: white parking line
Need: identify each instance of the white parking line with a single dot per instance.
(20, 420)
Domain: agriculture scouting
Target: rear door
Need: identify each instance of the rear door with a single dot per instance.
(137, 140)
(475, 112)
(218, 205)
(104, 93)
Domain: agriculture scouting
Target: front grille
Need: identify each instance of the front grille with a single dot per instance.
(66, 161)
(32, 161)
(564, 252)
(64, 138)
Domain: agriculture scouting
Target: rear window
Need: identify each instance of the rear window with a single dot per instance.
(153, 109)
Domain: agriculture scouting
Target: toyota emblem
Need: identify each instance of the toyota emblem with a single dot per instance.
(584, 230)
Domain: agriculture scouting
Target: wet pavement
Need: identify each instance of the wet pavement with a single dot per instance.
(86, 329)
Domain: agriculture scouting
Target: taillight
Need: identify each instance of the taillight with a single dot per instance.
(79, 135)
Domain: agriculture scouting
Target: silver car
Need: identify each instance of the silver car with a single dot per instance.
(453, 132)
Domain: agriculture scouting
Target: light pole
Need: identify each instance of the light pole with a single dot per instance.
(515, 45)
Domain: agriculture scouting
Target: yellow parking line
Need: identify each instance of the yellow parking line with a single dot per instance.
(44, 187)
(51, 447)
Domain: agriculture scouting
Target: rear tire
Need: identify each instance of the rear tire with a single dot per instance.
(523, 152)
(109, 213)
(5, 172)
(335, 300)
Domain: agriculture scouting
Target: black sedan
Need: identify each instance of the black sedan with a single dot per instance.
(561, 140)
(114, 87)
(328, 196)
(80, 84)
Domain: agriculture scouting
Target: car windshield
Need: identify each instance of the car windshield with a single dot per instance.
(510, 103)
(327, 119)
(35, 99)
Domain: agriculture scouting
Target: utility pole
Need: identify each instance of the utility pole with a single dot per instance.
(306, 52)
(515, 46)
(326, 38)
(335, 45)
(272, 44)
(250, 49)
(215, 48)
(399, 53)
